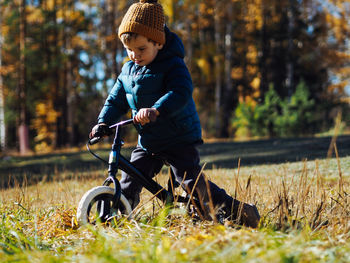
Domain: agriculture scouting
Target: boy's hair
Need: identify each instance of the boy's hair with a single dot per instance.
(145, 18)
(128, 36)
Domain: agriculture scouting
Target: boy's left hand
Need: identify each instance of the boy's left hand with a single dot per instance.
(146, 115)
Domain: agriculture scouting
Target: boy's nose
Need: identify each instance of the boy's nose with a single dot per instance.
(136, 55)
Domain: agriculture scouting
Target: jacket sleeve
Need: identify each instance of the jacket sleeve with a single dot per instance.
(178, 90)
(115, 105)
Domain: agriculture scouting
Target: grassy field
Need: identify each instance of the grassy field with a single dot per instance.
(304, 206)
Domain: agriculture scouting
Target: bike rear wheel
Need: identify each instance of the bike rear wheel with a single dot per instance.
(96, 206)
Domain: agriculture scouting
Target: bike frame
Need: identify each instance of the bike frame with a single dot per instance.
(116, 161)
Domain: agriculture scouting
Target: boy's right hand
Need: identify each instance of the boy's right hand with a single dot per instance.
(146, 115)
(99, 130)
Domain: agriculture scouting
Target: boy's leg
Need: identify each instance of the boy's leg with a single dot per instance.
(185, 163)
(145, 163)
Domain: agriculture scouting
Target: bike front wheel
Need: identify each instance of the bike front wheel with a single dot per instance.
(97, 206)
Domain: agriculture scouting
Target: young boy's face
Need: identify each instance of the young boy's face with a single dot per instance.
(142, 51)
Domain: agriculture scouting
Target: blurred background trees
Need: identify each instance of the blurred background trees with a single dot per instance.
(259, 67)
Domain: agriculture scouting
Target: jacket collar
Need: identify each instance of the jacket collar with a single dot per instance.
(173, 47)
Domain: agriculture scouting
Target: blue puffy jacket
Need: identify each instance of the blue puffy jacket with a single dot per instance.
(164, 84)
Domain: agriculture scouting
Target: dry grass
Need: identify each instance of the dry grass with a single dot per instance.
(304, 207)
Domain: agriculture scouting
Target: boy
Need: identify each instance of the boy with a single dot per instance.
(155, 83)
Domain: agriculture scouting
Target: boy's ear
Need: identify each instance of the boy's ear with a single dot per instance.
(159, 46)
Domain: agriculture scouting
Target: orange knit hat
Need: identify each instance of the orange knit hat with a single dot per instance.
(145, 18)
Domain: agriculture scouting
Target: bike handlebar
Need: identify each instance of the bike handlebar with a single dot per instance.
(122, 123)
(152, 116)
(96, 139)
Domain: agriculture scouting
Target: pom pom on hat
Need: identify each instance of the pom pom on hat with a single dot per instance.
(145, 18)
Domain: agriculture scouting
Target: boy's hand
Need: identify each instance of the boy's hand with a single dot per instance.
(99, 130)
(146, 115)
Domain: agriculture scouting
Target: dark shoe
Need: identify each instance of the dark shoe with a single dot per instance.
(249, 216)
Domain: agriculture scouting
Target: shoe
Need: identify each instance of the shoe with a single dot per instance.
(249, 216)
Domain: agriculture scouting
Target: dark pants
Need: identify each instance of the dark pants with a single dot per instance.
(184, 162)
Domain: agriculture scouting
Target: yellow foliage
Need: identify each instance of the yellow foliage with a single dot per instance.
(79, 42)
(5, 29)
(4, 70)
(204, 65)
(168, 6)
(198, 239)
(249, 100)
(252, 54)
(45, 126)
(50, 4)
(240, 89)
(256, 93)
(34, 15)
(252, 69)
(202, 8)
(339, 87)
(42, 147)
(70, 15)
(344, 71)
(255, 83)
(111, 38)
(237, 73)
(250, 27)
(255, 15)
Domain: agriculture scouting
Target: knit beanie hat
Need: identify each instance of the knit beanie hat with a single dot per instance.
(145, 18)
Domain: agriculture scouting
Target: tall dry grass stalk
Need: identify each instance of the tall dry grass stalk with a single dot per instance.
(293, 196)
(289, 197)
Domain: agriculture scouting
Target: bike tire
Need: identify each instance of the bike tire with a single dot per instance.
(100, 193)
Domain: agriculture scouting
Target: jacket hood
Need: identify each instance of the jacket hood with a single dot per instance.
(173, 46)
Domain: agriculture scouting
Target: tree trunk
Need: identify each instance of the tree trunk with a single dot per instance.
(264, 52)
(68, 84)
(228, 94)
(23, 132)
(2, 99)
(112, 12)
(290, 65)
(104, 31)
(60, 93)
(218, 72)
(189, 44)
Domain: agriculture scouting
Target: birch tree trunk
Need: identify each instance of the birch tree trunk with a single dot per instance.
(2, 98)
(23, 132)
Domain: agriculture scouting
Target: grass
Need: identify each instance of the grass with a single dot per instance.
(304, 207)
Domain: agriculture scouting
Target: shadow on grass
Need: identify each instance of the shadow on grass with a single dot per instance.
(273, 151)
(218, 155)
(13, 170)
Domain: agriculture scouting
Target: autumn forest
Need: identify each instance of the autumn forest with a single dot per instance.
(260, 68)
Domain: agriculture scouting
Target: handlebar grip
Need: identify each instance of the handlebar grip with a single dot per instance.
(94, 140)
